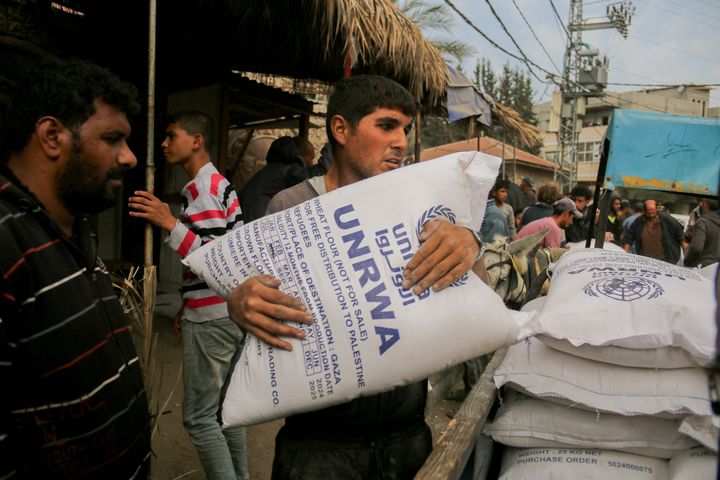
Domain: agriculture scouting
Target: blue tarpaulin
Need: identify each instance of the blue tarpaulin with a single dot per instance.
(465, 100)
(657, 151)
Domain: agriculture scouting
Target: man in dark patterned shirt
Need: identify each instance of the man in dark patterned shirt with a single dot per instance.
(73, 402)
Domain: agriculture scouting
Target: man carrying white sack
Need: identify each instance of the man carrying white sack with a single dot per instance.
(379, 436)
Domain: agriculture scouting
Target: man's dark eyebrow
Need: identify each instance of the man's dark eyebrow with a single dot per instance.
(392, 120)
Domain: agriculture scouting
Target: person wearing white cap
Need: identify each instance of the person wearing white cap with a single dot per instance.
(564, 211)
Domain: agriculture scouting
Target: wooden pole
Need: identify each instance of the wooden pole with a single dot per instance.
(503, 154)
(417, 136)
(454, 446)
(149, 274)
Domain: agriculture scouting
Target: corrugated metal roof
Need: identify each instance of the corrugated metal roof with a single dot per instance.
(490, 146)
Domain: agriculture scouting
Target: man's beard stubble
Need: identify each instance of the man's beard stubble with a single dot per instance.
(80, 186)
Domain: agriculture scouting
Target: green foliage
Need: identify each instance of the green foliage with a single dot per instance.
(513, 88)
(436, 130)
(433, 19)
(485, 78)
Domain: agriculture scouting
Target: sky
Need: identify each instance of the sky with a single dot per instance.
(669, 41)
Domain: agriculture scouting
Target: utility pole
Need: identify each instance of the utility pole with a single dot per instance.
(584, 76)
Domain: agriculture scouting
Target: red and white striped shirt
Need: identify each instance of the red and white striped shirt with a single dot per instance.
(210, 209)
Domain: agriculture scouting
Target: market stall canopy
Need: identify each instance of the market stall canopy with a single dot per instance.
(205, 40)
(465, 100)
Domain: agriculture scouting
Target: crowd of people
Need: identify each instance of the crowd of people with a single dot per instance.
(76, 404)
(646, 229)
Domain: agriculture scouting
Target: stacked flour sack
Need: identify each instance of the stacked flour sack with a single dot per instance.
(611, 385)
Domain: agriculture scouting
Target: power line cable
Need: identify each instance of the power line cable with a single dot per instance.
(680, 15)
(494, 44)
(675, 49)
(536, 37)
(704, 14)
(666, 84)
(629, 101)
(709, 3)
(527, 61)
(634, 74)
(557, 15)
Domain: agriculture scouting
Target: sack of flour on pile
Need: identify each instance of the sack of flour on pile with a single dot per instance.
(554, 376)
(710, 272)
(606, 246)
(549, 463)
(664, 357)
(695, 464)
(524, 421)
(703, 428)
(599, 297)
(342, 254)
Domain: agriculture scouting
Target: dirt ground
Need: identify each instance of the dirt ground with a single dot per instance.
(174, 456)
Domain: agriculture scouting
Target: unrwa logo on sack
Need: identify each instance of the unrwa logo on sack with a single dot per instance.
(433, 213)
(624, 289)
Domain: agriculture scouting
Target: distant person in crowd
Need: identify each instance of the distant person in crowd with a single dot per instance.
(704, 248)
(305, 150)
(494, 226)
(516, 197)
(547, 195)
(655, 234)
(638, 210)
(563, 214)
(518, 218)
(212, 342)
(73, 403)
(500, 194)
(625, 209)
(499, 217)
(580, 228)
(694, 216)
(323, 163)
(527, 185)
(615, 220)
(383, 435)
(284, 168)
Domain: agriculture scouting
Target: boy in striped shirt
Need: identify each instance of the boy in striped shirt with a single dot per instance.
(212, 342)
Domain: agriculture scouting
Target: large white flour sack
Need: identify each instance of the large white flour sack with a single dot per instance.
(342, 254)
(598, 297)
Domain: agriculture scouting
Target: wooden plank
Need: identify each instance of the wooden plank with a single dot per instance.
(453, 448)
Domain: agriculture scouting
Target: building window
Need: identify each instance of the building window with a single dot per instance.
(588, 152)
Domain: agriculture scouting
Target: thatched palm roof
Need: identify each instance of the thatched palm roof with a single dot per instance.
(376, 32)
(205, 39)
(202, 41)
(524, 134)
(309, 39)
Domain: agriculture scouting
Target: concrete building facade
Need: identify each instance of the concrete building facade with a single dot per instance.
(594, 116)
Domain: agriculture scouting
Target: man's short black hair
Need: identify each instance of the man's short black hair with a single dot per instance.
(356, 97)
(502, 183)
(581, 191)
(195, 123)
(66, 90)
(713, 204)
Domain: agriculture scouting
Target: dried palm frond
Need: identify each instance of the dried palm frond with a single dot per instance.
(130, 296)
(130, 291)
(526, 134)
(376, 32)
